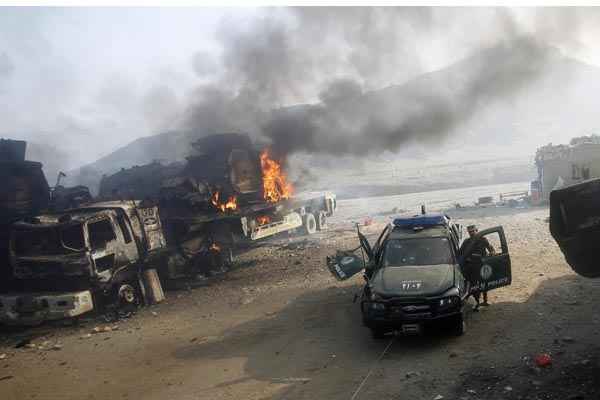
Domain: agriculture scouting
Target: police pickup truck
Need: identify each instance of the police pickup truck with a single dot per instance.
(414, 274)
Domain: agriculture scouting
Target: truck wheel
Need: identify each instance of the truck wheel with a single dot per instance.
(458, 327)
(321, 218)
(128, 295)
(377, 333)
(310, 224)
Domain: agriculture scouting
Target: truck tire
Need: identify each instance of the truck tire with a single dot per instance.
(458, 326)
(321, 219)
(310, 224)
(377, 333)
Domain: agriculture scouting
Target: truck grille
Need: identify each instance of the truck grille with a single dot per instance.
(42, 267)
(409, 310)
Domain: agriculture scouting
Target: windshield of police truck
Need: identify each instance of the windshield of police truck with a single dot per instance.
(421, 251)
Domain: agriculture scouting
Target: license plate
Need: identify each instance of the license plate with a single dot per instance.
(411, 328)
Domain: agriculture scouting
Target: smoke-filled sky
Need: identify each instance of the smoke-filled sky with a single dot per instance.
(89, 80)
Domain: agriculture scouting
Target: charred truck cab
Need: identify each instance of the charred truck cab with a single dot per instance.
(65, 264)
(415, 277)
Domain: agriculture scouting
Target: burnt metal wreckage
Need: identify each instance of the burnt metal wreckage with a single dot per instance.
(575, 225)
(68, 263)
(220, 200)
(65, 254)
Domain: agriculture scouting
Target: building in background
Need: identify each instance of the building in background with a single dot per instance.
(563, 165)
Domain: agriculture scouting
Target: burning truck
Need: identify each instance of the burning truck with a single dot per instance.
(226, 195)
(68, 260)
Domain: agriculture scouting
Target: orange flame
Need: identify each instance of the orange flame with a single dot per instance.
(230, 204)
(275, 184)
(263, 219)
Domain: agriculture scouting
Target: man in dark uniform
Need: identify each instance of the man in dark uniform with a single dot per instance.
(472, 262)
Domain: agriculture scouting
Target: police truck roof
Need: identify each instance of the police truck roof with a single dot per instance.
(421, 221)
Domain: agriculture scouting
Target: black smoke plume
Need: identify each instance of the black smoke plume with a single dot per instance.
(325, 80)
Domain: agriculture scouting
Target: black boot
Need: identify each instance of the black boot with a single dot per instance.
(485, 300)
(476, 296)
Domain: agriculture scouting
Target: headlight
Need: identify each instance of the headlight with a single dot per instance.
(448, 301)
(375, 297)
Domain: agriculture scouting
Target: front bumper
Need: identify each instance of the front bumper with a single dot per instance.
(34, 308)
(394, 316)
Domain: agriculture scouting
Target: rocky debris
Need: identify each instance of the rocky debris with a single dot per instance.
(6, 377)
(104, 329)
(23, 343)
(247, 300)
(3, 356)
(438, 397)
(411, 374)
(575, 380)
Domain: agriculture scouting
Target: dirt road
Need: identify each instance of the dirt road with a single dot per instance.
(280, 327)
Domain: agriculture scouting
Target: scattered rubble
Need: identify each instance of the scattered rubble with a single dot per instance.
(23, 343)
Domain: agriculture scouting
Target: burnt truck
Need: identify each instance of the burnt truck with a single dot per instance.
(25, 192)
(228, 194)
(68, 263)
(575, 225)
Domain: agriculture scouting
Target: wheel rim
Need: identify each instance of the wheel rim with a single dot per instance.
(127, 294)
(311, 223)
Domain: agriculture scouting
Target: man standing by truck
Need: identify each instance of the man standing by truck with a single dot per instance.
(472, 262)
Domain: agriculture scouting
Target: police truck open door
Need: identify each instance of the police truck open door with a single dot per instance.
(495, 269)
(346, 264)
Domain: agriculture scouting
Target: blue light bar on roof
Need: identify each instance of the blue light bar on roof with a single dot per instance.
(424, 221)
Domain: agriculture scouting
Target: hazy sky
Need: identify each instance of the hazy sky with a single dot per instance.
(88, 80)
